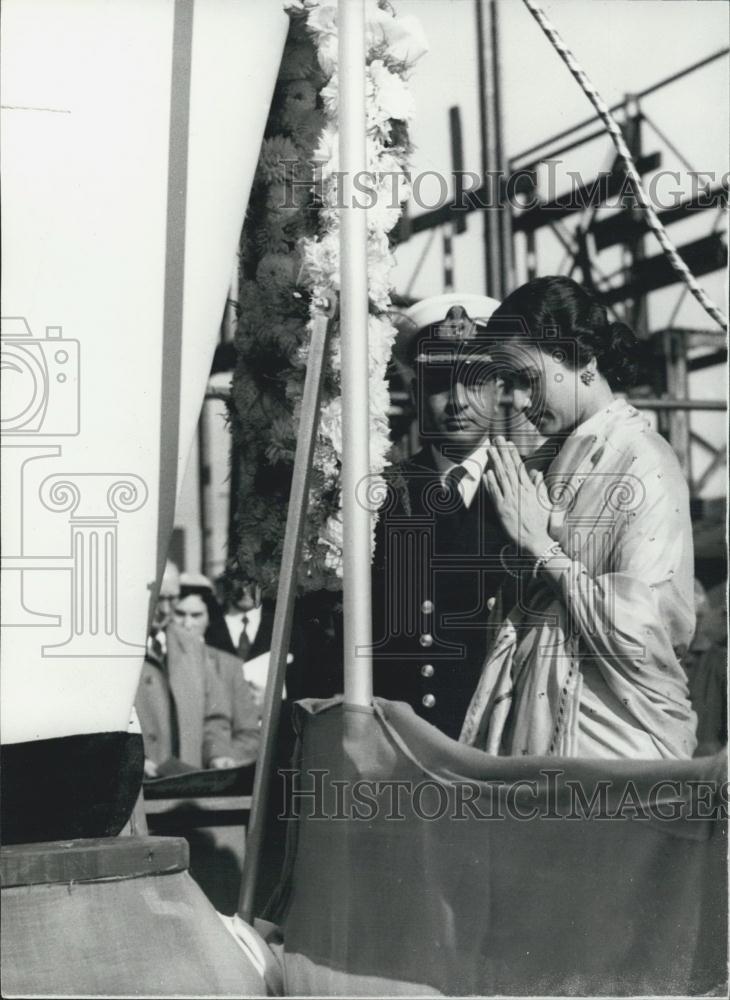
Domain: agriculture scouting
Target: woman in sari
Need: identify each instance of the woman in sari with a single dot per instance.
(587, 664)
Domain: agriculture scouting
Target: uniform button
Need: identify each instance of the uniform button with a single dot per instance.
(428, 701)
(426, 640)
(148, 680)
(427, 607)
(152, 738)
(427, 670)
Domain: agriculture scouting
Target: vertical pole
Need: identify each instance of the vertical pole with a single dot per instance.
(582, 259)
(675, 353)
(355, 361)
(228, 333)
(458, 225)
(489, 162)
(204, 491)
(639, 318)
(506, 255)
(457, 168)
(531, 255)
(448, 248)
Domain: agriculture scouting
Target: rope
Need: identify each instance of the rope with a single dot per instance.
(619, 142)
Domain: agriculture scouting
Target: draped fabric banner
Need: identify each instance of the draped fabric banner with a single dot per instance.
(130, 138)
(421, 866)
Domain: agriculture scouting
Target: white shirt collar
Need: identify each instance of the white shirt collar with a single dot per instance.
(234, 621)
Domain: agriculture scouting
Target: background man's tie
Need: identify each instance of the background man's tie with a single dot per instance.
(244, 643)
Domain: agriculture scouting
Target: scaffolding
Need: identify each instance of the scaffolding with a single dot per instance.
(670, 353)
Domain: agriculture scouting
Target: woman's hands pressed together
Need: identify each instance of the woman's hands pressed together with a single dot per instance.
(519, 498)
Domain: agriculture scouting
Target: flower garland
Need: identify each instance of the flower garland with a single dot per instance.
(289, 258)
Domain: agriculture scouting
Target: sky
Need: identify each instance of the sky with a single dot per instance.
(624, 46)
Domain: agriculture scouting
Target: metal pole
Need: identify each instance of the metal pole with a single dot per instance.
(675, 354)
(355, 366)
(457, 168)
(448, 249)
(458, 225)
(204, 488)
(228, 333)
(489, 165)
(639, 312)
(677, 404)
(284, 610)
(506, 256)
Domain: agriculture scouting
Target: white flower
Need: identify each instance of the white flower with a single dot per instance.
(327, 54)
(381, 334)
(385, 210)
(328, 464)
(322, 20)
(386, 97)
(330, 424)
(391, 96)
(393, 178)
(326, 153)
(336, 354)
(321, 261)
(332, 539)
(404, 38)
(396, 42)
(380, 266)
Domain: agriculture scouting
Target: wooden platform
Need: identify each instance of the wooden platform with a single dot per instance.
(89, 860)
(119, 917)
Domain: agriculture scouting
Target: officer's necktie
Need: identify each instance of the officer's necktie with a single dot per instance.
(244, 643)
(451, 485)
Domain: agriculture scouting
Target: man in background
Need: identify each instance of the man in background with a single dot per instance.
(250, 623)
(249, 619)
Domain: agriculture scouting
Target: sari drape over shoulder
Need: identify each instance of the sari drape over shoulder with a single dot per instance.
(596, 672)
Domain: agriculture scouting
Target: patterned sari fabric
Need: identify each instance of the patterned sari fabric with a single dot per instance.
(596, 672)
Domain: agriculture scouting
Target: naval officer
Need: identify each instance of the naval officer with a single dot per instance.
(437, 566)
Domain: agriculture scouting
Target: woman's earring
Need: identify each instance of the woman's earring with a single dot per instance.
(587, 376)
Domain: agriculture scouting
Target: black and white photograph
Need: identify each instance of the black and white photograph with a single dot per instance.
(364, 498)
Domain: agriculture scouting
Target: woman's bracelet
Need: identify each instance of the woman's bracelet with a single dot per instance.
(552, 550)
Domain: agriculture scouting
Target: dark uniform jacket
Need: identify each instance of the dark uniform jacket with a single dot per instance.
(436, 565)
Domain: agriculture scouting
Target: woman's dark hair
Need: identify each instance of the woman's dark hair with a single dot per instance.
(217, 634)
(560, 305)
